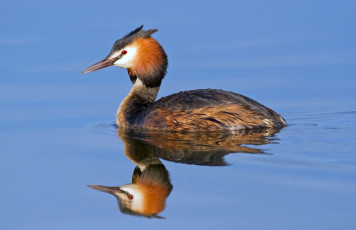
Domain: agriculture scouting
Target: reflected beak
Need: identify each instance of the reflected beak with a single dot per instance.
(107, 189)
(101, 64)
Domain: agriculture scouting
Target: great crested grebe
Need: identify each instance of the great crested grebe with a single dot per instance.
(194, 110)
(151, 185)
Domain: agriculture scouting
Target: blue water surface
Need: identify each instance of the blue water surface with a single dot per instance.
(57, 133)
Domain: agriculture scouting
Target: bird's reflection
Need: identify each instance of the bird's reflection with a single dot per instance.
(151, 184)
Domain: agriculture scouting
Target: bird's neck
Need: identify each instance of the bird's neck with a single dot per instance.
(146, 73)
(139, 98)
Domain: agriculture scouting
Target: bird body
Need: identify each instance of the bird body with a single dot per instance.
(199, 110)
(188, 111)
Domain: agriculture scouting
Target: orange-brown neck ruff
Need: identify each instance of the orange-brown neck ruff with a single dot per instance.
(148, 70)
(155, 184)
(150, 63)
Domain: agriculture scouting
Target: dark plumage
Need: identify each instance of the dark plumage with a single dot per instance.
(131, 37)
(208, 109)
(194, 99)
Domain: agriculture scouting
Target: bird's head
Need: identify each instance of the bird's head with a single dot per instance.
(146, 195)
(141, 54)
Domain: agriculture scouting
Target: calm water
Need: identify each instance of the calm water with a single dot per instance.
(57, 134)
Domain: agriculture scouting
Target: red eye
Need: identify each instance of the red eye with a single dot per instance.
(130, 197)
(123, 52)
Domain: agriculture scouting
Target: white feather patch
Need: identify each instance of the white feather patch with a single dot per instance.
(126, 60)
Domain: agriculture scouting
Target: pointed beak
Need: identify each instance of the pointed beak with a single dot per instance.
(101, 64)
(107, 189)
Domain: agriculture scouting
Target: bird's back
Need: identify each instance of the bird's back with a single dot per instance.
(208, 110)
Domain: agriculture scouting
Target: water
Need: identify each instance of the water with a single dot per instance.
(57, 134)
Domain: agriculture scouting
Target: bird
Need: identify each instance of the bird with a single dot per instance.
(150, 187)
(146, 195)
(187, 111)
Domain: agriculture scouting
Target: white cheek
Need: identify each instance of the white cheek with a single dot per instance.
(137, 201)
(126, 60)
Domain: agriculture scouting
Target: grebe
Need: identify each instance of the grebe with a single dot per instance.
(194, 110)
(147, 194)
(151, 185)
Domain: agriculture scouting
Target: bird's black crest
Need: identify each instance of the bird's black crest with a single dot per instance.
(131, 37)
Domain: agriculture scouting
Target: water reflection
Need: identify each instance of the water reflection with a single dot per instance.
(151, 185)
(147, 193)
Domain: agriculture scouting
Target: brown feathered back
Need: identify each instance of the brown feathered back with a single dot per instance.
(207, 110)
